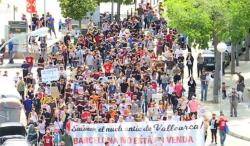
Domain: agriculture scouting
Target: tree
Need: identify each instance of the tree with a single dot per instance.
(202, 21)
(119, 3)
(187, 18)
(238, 27)
(77, 9)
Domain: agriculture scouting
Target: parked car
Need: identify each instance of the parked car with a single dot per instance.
(12, 130)
(11, 110)
(16, 142)
(209, 59)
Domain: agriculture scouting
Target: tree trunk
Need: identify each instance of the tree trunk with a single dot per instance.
(247, 56)
(233, 59)
(237, 54)
(217, 71)
(118, 10)
(135, 4)
(80, 24)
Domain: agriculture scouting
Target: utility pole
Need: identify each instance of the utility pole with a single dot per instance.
(44, 8)
(14, 12)
(112, 10)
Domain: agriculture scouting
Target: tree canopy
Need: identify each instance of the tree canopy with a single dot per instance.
(239, 19)
(119, 3)
(205, 20)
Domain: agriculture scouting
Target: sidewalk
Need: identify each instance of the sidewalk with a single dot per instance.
(239, 127)
(6, 65)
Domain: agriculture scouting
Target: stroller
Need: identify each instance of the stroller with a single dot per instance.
(32, 135)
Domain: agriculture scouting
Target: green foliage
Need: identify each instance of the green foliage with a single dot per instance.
(77, 9)
(239, 19)
(204, 20)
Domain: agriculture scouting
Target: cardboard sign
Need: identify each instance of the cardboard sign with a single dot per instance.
(51, 74)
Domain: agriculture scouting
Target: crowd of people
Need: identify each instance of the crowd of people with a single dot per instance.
(127, 71)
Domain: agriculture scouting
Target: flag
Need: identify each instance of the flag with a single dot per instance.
(31, 6)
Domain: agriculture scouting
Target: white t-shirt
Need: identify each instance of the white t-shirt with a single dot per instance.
(90, 60)
(41, 127)
(58, 124)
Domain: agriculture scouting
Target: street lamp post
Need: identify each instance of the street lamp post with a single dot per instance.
(221, 47)
(44, 9)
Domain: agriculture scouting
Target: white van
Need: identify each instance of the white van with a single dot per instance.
(12, 110)
(8, 89)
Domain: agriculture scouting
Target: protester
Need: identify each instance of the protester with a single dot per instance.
(213, 127)
(192, 87)
(11, 52)
(190, 62)
(204, 85)
(224, 90)
(222, 123)
(200, 61)
(193, 106)
(234, 101)
(47, 139)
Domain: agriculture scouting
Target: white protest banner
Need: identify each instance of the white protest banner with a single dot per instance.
(50, 74)
(165, 133)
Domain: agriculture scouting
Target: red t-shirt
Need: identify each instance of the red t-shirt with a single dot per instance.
(140, 53)
(129, 93)
(48, 140)
(169, 38)
(29, 60)
(178, 89)
(85, 115)
(222, 123)
(40, 95)
(98, 39)
(154, 85)
(107, 67)
(68, 126)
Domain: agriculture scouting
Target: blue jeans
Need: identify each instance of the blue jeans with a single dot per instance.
(144, 107)
(222, 137)
(164, 85)
(204, 92)
(11, 56)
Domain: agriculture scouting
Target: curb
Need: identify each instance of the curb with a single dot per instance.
(239, 136)
(10, 66)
